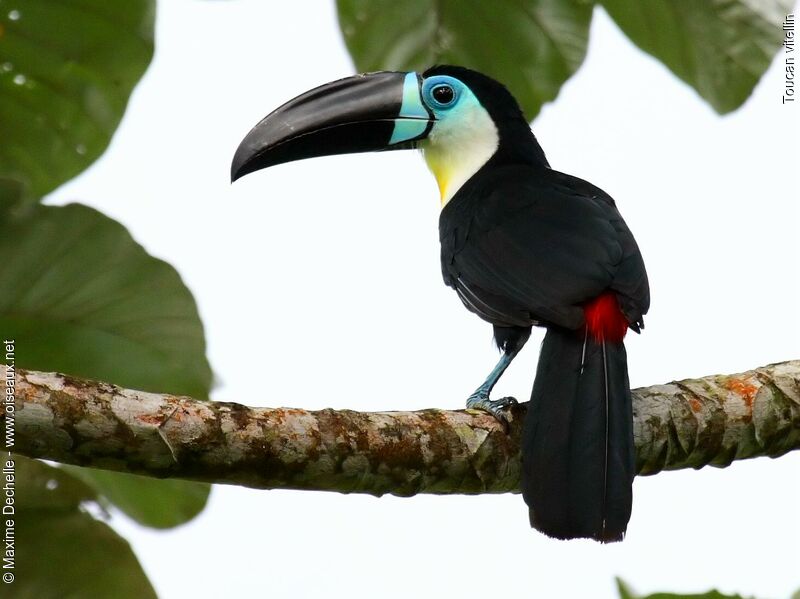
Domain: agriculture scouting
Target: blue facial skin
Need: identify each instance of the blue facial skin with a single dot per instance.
(443, 83)
(413, 118)
(439, 95)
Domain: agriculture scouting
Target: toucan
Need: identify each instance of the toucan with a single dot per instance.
(523, 245)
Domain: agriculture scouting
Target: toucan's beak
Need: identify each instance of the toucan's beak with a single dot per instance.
(376, 111)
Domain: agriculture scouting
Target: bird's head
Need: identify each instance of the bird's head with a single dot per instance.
(459, 118)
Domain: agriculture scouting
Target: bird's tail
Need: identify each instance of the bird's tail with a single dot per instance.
(577, 451)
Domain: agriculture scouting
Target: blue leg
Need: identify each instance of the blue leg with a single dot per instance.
(479, 400)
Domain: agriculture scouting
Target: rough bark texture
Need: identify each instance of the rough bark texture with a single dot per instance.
(713, 420)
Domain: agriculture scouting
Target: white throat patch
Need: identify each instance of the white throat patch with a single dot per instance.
(458, 146)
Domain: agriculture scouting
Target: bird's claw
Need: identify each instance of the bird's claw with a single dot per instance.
(496, 407)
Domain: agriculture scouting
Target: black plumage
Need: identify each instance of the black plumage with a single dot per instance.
(526, 245)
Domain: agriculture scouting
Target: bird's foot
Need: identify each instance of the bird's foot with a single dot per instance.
(496, 407)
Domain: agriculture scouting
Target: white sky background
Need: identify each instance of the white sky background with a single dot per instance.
(319, 285)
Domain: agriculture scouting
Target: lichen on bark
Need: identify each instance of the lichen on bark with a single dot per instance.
(692, 423)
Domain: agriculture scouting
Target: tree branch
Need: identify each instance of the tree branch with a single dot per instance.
(713, 420)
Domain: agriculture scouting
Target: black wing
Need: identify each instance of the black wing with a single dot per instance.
(527, 244)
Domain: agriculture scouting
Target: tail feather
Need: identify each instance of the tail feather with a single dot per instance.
(578, 453)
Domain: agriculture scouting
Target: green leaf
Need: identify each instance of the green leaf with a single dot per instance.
(81, 296)
(624, 590)
(532, 46)
(152, 502)
(719, 47)
(626, 593)
(61, 550)
(67, 69)
(13, 194)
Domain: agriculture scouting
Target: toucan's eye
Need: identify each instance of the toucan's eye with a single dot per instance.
(443, 94)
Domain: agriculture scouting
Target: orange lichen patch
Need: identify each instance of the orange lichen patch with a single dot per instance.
(695, 404)
(743, 388)
(155, 419)
(178, 413)
(281, 415)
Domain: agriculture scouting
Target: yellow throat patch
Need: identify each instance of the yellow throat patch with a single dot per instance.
(441, 169)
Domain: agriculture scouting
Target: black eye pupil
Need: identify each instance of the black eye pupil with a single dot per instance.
(443, 94)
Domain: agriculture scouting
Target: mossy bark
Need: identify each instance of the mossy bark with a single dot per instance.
(713, 420)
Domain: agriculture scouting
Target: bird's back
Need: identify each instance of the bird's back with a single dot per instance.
(526, 245)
